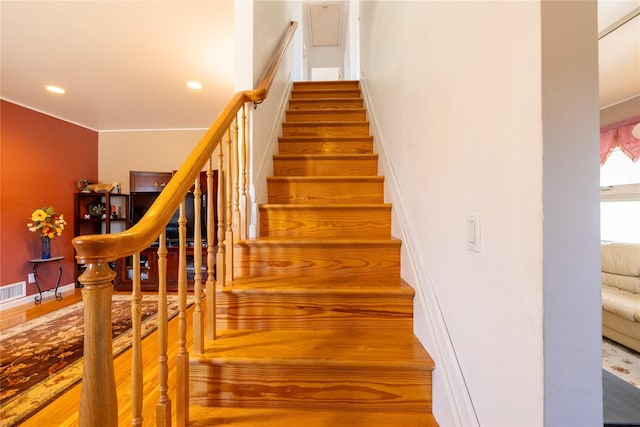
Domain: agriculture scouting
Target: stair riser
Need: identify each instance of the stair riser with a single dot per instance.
(373, 222)
(325, 115)
(363, 146)
(325, 93)
(320, 191)
(298, 386)
(326, 130)
(323, 85)
(249, 310)
(329, 167)
(314, 104)
(373, 261)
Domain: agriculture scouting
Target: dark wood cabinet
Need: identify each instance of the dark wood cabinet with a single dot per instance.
(100, 213)
(148, 181)
(145, 188)
(149, 269)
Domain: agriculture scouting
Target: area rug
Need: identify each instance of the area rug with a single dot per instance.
(621, 361)
(42, 358)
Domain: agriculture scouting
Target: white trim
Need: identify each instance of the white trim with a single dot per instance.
(29, 299)
(441, 347)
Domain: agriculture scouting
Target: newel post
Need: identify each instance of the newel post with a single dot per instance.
(98, 399)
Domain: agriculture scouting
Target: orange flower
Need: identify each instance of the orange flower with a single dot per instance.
(47, 222)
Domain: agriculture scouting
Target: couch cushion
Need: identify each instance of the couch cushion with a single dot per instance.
(621, 258)
(628, 283)
(622, 303)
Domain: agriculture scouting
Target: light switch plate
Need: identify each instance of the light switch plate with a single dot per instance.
(473, 231)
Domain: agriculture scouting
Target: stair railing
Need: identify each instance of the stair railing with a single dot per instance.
(229, 136)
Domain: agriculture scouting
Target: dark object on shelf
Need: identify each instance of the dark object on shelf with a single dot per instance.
(83, 185)
(96, 209)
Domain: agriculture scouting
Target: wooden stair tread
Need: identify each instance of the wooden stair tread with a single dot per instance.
(325, 178)
(319, 347)
(319, 283)
(346, 206)
(324, 138)
(315, 123)
(325, 156)
(328, 99)
(318, 241)
(293, 417)
(325, 110)
(324, 83)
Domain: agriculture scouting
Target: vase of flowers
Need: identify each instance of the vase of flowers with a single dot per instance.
(48, 224)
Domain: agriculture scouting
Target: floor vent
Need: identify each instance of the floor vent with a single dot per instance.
(11, 292)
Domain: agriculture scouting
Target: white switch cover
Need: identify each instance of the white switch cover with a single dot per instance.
(473, 231)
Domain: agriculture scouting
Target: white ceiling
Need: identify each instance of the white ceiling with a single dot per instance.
(619, 51)
(125, 63)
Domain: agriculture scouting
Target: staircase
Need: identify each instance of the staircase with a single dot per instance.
(317, 327)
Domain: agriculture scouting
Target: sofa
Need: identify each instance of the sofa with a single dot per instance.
(621, 293)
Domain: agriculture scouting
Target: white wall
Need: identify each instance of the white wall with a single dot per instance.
(155, 151)
(455, 92)
(572, 303)
(271, 20)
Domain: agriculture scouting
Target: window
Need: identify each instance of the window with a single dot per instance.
(620, 220)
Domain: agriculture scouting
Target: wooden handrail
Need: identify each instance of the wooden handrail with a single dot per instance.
(109, 247)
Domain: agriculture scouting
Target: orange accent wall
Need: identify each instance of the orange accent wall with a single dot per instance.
(41, 159)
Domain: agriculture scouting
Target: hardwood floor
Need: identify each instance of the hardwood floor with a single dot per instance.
(64, 410)
(16, 315)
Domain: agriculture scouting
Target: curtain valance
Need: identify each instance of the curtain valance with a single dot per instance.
(621, 134)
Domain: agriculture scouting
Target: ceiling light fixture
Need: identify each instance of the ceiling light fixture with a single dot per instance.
(194, 85)
(55, 89)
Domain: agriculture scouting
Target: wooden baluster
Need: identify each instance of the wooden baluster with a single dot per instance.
(244, 206)
(236, 179)
(163, 408)
(98, 398)
(182, 358)
(210, 285)
(228, 238)
(220, 256)
(198, 319)
(136, 344)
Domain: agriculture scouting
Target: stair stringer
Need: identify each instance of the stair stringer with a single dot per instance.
(260, 169)
(434, 334)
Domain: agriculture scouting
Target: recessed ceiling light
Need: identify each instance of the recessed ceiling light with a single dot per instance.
(194, 85)
(55, 89)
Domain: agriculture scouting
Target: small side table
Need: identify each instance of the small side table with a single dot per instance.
(37, 263)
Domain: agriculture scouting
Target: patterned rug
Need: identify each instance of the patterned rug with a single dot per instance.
(42, 358)
(621, 361)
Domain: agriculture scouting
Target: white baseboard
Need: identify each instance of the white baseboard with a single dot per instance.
(29, 299)
(452, 403)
